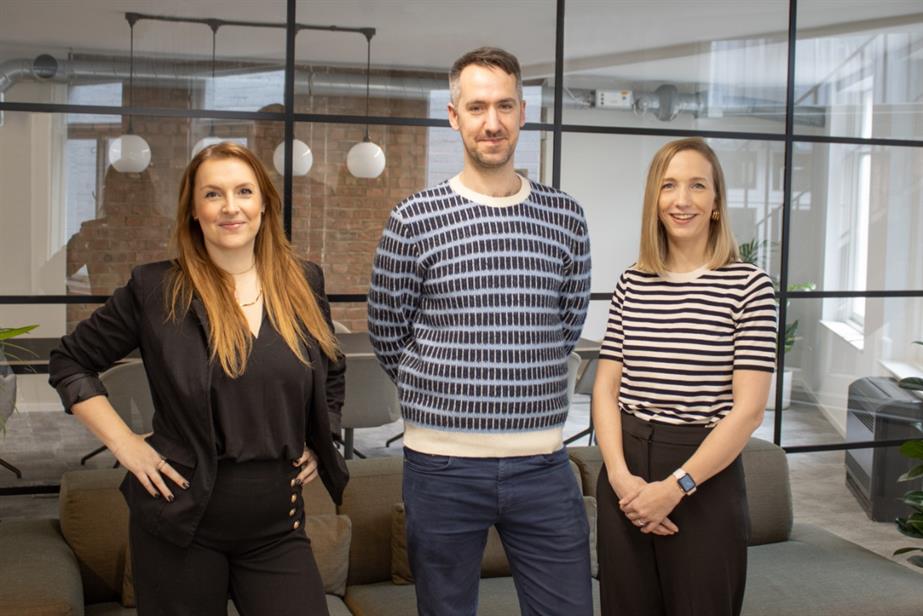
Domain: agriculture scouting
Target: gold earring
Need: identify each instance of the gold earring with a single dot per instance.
(715, 216)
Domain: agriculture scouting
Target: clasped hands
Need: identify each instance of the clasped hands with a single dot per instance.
(647, 505)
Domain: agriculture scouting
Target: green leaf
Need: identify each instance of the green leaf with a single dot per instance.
(908, 529)
(11, 332)
(920, 342)
(900, 551)
(914, 498)
(911, 382)
(915, 472)
(912, 449)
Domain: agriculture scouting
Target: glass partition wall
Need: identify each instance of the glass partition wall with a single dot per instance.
(817, 117)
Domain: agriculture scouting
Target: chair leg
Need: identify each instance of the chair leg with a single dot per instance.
(394, 438)
(348, 448)
(84, 459)
(11, 468)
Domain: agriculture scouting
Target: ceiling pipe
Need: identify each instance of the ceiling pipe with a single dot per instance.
(665, 103)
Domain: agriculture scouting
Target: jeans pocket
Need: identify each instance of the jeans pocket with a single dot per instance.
(425, 462)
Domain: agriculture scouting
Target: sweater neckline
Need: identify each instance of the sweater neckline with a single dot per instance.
(525, 189)
(685, 276)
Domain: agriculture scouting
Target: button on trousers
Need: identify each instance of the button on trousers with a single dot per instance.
(250, 545)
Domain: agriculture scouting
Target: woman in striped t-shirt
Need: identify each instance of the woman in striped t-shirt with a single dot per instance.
(682, 382)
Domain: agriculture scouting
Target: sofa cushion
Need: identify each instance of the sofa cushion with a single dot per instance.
(330, 538)
(816, 572)
(493, 563)
(496, 597)
(374, 486)
(94, 522)
(39, 575)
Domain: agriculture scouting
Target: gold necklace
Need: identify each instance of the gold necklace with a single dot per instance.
(252, 265)
(258, 296)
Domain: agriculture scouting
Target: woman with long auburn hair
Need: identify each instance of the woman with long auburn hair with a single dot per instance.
(246, 378)
(682, 381)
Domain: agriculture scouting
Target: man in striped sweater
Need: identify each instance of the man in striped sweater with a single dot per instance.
(478, 295)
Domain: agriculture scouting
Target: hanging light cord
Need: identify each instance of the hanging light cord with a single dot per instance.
(214, 27)
(368, 75)
(131, 71)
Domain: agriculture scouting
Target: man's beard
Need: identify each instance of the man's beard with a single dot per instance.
(491, 162)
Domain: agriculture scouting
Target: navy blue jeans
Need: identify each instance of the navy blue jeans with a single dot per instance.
(537, 508)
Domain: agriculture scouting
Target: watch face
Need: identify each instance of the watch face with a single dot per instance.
(686, 483)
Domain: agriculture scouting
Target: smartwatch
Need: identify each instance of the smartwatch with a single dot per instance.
(685, 481)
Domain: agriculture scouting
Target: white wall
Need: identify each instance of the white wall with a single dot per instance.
(30, 209)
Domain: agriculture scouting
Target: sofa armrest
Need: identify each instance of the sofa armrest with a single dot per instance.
(769, 492)
(40, 573)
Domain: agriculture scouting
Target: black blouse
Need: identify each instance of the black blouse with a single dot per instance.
(260, 415)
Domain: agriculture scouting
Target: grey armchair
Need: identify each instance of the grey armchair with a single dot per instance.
(371, 399)
(130, 396)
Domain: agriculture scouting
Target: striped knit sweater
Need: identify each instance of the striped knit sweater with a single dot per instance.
(680, 338)
(474, 305)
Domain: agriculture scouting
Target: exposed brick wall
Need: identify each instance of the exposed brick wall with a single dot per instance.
(337, 218)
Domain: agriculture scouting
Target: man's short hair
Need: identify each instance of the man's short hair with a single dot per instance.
(490, 57)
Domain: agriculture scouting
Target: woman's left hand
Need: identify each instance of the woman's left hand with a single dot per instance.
(308, 464)
(648, 506)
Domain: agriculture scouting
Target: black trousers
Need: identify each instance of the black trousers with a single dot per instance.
(250, 545)
(702, 569)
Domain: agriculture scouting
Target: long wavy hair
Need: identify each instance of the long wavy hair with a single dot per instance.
(722, 247)
(290, 303)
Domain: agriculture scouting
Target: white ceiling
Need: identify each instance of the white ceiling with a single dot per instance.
(627, 38)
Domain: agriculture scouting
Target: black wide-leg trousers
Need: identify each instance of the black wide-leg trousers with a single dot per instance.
(250, 546)
(699, 571)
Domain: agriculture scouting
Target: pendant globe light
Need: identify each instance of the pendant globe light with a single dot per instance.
(204, 142)
(366, 159)
(130, 153)
(302, 158)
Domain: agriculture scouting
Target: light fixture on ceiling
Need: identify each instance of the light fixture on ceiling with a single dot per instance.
(366, 159)
(302, 158)
(130, 153)
(204, 142)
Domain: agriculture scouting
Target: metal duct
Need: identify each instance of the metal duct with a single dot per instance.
(665, 103)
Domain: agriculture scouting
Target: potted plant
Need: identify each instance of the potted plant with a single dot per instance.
(753, 252)
(912, 525)
(7, 376)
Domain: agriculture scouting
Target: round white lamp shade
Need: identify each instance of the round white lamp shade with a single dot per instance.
(302, 158)
(129, 154)
(365, 160)
(203, 143)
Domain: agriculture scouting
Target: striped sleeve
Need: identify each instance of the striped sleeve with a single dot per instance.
(575, 291)
(611, 347)
(755, 331)
(393, 294)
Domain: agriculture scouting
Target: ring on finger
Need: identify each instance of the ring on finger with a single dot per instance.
(161, 464)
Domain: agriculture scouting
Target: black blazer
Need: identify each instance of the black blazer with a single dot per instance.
(176, 359)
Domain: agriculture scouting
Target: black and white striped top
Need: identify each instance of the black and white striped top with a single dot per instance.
(680, 338)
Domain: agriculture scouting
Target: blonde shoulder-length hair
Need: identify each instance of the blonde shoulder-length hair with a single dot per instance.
(290, 303)
(722, 247)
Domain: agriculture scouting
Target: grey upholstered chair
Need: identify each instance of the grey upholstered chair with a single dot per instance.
(371, 399)
(130, 396)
